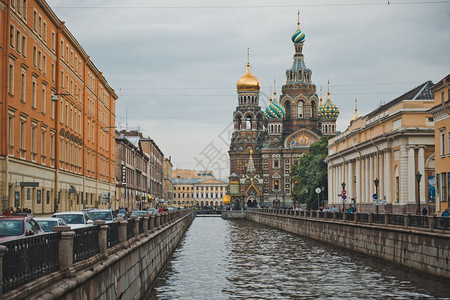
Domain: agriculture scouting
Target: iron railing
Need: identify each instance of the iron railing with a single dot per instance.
(85, 243)
(396, 219)
(378, 218)
(363, 218)
(29, 258)
(113, 234)
(141, 225)
(349, 216)
(329, 215)
(418, 221)
(130, 226)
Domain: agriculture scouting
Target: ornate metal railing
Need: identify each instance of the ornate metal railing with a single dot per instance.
(29, 258)
(85, 243)
(363, 218)
(130, 226)
(396, 219)
(113, 234)
(349, 216)
(418, 221)
(378, 218)
(141, 225)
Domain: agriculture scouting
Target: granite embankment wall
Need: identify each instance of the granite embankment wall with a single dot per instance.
(428, 252)
(128, 272)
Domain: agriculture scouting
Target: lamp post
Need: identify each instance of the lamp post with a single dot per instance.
(376, 182)
(343, 200)
(418, 177)
(318, 190)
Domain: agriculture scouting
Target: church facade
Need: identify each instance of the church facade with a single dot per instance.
(265, 144)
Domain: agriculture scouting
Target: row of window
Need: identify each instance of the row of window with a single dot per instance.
(444, 142)
(33, 135)
(202, 195)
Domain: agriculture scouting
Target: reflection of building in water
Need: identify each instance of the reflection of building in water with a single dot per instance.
(265, 145)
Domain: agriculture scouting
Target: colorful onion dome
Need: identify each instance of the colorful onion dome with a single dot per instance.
(298, 37)
(328, 111)
(248, 82)
(275, 110)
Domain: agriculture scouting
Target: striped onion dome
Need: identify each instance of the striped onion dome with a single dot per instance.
(275, 110)
(298, 37)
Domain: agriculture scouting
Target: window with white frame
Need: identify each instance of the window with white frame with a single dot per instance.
(442, 142)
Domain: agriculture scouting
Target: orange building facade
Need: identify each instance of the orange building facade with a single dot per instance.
(441, 115)
(56, 152)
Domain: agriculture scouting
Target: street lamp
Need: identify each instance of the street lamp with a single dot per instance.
(376, 182)
(343, 200)
(318, 190)
(418, 177)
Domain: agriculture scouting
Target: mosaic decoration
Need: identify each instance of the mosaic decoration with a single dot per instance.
(328, 111)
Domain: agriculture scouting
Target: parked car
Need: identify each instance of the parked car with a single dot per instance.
(139, 213)
(153, 211)
(122, 213)
(47, 224)
(16, 227)
(74, 219)
(106, 215)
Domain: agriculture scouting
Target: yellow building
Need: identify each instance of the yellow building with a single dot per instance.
(183, 192)
(441, 113)
(388, 146)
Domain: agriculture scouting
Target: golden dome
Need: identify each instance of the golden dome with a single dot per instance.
(248, 82)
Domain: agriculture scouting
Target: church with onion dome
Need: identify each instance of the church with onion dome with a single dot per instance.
(266, 143)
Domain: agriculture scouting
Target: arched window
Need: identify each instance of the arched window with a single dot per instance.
(239, 123)
(288, 109)
(313, 109)
(248, 122)
(300, 109)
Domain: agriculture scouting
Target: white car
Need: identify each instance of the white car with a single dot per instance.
(47, 224)
(74, 219)
(102, 215)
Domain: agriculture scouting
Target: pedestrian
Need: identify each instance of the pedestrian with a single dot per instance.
(424, 211)
(444, 218)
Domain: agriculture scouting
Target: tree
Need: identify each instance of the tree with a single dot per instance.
(310, 173)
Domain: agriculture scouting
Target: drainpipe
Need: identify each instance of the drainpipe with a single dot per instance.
(4, 105)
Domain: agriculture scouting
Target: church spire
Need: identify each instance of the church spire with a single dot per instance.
(321, 95)
(298, 20)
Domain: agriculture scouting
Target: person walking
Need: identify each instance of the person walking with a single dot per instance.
(424, 211)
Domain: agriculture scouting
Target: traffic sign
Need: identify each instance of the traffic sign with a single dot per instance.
(344, 192)
(339, 195)
(375, 196)
(344, 197)
(318, 190)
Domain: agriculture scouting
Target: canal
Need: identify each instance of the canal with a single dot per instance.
(238, 259)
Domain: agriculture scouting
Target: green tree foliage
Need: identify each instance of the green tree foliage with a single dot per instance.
(310, 173)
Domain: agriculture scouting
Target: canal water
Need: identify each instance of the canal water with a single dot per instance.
(237, 259)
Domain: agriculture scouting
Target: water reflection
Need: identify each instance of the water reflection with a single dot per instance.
(221, 259)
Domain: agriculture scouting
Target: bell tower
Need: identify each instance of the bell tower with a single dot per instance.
(248, 131)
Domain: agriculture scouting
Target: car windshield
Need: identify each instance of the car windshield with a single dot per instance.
(47, 226)
(138, 212)
(100, 215)
(11, 227)
(72, 218)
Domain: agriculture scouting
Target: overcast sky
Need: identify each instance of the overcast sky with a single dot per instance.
(175, 64)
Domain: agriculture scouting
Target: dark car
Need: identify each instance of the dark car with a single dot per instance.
(16, 227)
